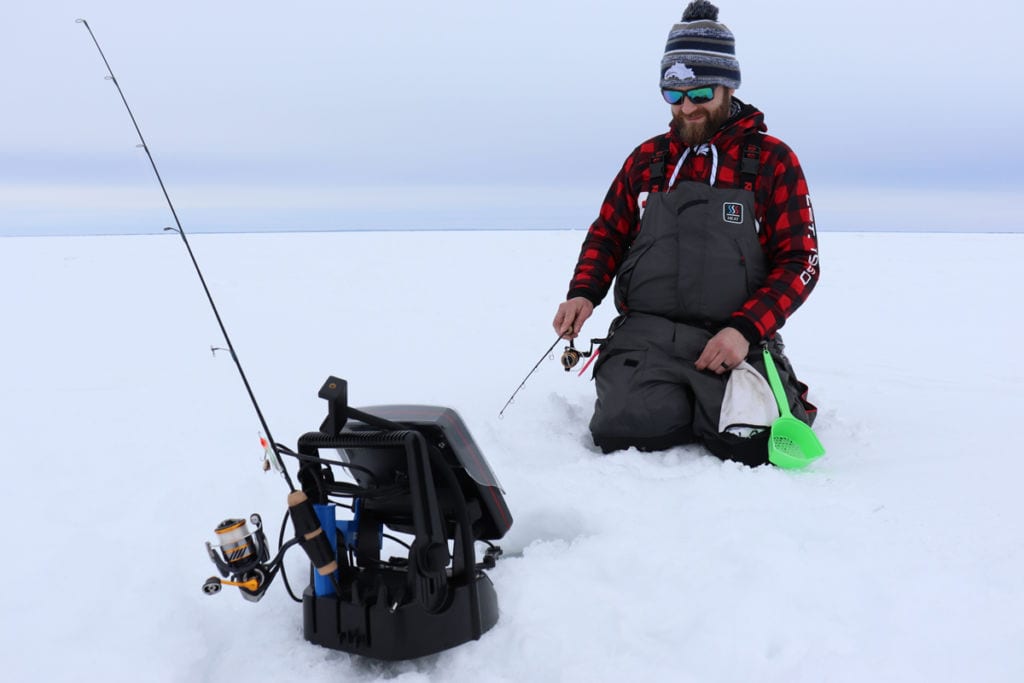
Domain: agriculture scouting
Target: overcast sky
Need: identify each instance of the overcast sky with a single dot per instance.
(341, 115)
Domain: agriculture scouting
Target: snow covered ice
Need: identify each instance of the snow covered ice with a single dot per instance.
(896, 557)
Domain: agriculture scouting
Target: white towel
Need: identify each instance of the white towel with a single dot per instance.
(749, 405)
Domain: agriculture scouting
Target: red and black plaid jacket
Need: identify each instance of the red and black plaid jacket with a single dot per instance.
(787, 233)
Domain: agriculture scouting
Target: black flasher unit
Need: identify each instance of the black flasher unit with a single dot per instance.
(412, 474)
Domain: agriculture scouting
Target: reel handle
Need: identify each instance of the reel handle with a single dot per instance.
(213, 584)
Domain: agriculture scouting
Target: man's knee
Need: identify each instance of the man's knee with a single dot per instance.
(631, 419)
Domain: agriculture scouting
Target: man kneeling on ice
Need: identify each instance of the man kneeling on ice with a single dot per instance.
(709, 235)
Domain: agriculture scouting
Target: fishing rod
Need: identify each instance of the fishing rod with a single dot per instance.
(570, 357)
(244, 555)
(272, 444)
(551, 348)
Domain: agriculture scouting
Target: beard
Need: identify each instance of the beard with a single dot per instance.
(698, 132)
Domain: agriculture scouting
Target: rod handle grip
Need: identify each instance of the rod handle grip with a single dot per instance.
(311, 535)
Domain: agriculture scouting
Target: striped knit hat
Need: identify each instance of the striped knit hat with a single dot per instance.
(700, 51)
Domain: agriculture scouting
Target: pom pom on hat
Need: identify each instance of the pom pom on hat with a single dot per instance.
(700, 51)
(700, 9)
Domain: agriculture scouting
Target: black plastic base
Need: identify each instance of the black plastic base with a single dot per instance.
(368, 626)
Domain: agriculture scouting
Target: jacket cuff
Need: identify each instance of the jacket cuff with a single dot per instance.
(586, 294)
(746, 328)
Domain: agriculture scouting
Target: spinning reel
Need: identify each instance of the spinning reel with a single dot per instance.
(243, 556)
(571, 356)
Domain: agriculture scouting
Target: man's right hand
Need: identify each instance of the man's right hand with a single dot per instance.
(571, 315)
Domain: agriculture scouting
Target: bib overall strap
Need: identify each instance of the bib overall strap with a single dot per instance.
(750, 161)
(658, 164)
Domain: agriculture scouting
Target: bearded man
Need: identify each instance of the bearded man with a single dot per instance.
(709, 235)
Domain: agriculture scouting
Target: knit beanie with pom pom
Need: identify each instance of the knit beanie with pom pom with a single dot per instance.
(700, 51)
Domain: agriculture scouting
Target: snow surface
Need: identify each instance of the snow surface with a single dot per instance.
(897, 557)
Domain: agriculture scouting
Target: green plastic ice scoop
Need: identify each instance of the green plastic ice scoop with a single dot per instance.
(793, 444)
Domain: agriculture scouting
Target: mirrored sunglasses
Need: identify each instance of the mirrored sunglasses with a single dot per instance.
(701, 95)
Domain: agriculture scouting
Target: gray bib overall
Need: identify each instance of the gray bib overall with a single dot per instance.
(695, 261)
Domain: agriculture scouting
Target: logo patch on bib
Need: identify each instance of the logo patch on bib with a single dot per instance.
(732, 212)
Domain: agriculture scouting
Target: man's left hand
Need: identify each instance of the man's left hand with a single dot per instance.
(724, 351)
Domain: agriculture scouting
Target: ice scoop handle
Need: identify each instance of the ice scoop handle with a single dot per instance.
(776, 384)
